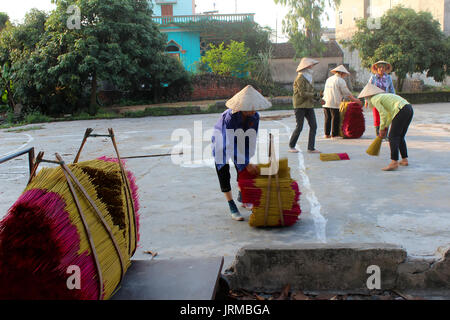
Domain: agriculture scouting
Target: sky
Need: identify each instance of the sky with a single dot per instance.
(267, 13)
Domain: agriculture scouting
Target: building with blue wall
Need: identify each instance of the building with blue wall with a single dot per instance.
(183, 43)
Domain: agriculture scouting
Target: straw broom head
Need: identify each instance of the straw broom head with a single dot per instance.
(374, 148)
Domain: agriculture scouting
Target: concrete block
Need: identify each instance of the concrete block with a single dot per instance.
(415, 274)
(315, 267)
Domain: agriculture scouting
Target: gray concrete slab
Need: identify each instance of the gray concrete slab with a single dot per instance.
(184, 214)
(178, 279)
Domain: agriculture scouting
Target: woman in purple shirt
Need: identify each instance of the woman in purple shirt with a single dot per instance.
(382, 80)
(234, 138)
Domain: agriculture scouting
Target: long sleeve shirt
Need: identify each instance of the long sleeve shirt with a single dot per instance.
(335, 90)
(234, 138)
(304, 93)
(388, 105)
(385, 82)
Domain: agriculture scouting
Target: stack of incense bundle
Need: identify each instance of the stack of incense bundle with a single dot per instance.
(53, 233)
(266, 210)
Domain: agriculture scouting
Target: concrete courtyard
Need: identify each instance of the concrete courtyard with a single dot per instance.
(184, 214)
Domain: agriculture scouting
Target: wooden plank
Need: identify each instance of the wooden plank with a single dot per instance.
(177, 279)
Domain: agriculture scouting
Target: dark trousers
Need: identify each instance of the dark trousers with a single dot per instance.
(300, 115)
(397, 134)
(332, 121)
(225, 177)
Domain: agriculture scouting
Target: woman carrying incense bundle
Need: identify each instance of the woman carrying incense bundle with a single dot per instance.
(303, 99)
(380, 78)
(335, 91)
(235, 138)
(394, 111)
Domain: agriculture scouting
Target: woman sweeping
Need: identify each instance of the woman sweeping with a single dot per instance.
(394, 111)
(303, 100)
(335, 90)
(234, 138)
(382, 80)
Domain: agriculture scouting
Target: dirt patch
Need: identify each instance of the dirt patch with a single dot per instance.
(275, 117)
(286, 294)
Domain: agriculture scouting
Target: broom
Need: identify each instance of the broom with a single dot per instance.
(334, 156)
(374, 148)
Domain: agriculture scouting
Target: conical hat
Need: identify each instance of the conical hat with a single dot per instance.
(248, 99)
(370, 90)
(341, 68)
(305, 63)
(388, 66)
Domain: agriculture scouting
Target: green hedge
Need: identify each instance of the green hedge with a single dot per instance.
(426, 97)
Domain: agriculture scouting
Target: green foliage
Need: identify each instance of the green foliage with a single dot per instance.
(4, 19)
(57, 69)
(256, 38)
(17, 44)
(230, 60)
(36, 117)
(302, 25)
(411, 41)
(261, 67)
(4, 97)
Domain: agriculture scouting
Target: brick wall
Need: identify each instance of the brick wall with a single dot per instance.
(212, 87)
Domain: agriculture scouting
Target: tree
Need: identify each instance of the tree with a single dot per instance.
(302, 25)
(16, 46)
(4, 18)
(231, 60)
(117, 41)
(56, 66)
(411, 41)
(261, 71)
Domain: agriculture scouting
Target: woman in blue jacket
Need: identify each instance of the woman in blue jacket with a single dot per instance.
(234, 138)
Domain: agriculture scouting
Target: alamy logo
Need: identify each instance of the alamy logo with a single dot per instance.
(238, 146)
(74, 280)
(374, 281)
(374, 21)
(74, 20)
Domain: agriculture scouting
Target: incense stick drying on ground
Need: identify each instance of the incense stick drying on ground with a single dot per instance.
(49, 234)
(255, 189)
(352, 120)
(334, 156)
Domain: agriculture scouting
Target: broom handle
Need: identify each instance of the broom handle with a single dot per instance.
(280, 205)
(86, 135)
(153, 155)
(267, 201)
(266, 213)
(35, 166)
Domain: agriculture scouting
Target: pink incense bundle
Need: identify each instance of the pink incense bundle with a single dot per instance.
(353, 124)
(45, 237)
(334, 156)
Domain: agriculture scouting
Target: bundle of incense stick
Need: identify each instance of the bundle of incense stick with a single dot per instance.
(334, 156)
(45, 237)
(353, 123)
(254, 190)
